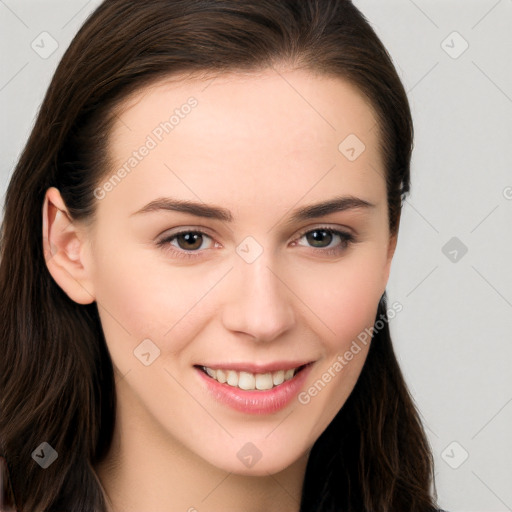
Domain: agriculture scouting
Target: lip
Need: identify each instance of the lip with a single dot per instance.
(255, 401)
(257, 368)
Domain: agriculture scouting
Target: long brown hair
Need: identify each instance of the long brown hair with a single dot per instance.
(56, 376)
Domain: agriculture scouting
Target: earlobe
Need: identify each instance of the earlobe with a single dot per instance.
(64, 253)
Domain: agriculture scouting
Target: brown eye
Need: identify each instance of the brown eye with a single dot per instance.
(189, 241)
(186, 243)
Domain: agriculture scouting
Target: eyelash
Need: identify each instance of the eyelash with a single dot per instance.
(346, 240)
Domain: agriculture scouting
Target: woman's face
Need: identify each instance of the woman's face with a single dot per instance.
(254, 281)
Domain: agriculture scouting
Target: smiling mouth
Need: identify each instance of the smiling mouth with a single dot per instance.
(248, 381)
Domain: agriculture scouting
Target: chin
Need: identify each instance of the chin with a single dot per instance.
(259, 466)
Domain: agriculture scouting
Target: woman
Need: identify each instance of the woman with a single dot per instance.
(195, 248)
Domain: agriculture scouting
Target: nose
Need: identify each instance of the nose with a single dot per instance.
(260, 303)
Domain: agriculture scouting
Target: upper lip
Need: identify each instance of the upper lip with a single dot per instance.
(257, 368)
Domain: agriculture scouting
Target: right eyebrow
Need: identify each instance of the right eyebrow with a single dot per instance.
(186, 206)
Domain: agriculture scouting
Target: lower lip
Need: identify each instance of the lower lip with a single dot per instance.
(256, 402)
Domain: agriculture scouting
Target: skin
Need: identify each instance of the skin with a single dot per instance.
(260, 148)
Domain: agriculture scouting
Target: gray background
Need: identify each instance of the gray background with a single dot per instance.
(453, 337)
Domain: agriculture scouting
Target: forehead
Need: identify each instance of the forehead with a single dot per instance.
(270, 99)
(257, 131)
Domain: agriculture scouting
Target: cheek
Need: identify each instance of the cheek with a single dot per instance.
(347, 306)
(343, 296)
(142, 297)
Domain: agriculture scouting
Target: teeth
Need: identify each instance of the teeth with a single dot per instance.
(251, 381)
(264, 381)
(288, 374)
(278, 377)
(232, 378)
(246, 380)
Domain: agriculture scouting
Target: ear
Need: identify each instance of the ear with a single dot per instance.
(65, 247)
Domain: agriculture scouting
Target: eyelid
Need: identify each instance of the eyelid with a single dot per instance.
(312, 227)
(184, 229)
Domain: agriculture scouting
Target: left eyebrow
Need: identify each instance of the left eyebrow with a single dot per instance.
(337, 204)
